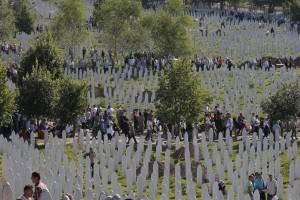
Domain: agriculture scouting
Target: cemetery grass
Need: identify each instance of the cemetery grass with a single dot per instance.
(176, 157)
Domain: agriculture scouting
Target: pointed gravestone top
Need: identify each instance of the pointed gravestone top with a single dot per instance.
(6, 192)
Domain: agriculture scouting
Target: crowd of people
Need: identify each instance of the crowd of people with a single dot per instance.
(110, 122)
(205, 63)
(267, 189)
(8, 48)
(221, 122)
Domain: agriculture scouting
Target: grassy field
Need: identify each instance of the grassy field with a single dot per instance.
(178, 157)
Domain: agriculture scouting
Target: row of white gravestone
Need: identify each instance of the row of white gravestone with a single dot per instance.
(240, 42)
(242, 84)
(60, 175)
(236, 84)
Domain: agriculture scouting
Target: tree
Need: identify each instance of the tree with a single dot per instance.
(36, 94)
(25, 17)
(71, 100)
(117, 19)
(174, 7)
(135, 39)
(180, 96)
(7, 20)
(69, 26)
(7, 98)
(285, 104)
(171, 34)
(43, 54)
(295, 10)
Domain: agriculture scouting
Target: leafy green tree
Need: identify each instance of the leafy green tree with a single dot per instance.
(117, 19)
(180, 96)
(285, 104)
(135, 39)
(43, 54)
(7, 21)
(71, 102)
(174, 7)
(69, 26)
(7, 98)
(295, 10)
(171, 34)
(36, 94)
(25, 16)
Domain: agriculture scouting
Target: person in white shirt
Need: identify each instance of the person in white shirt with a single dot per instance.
(271, 188)
(110, 111)
(41, 191)
(28, 193)
(229, 123)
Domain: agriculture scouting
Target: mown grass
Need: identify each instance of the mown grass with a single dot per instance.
(72, 155)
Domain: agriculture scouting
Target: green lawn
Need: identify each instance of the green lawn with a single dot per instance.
(178, 157)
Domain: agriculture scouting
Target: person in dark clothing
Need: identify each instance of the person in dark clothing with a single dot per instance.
(92, 155)
(125, 125)
(83, 52)
(145, 118)
(131, 134)
(219, 124)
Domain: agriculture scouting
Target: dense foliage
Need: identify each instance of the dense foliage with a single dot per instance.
(25, 16)
(285, 104)
(60, 99)
(126, 27)
(68, 27)
(43, 54)
(71, 100)
(36, 94)
(180, 96)
(7, 20)
(7, 98)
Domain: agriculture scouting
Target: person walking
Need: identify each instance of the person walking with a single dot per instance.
(149, 130)
(131, 134)
(92, 155)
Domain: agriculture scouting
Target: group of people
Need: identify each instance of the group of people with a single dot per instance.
(212, 63)
(204, 63)
(8, 48)
(221, 122)
(267, 189)
(110, 122)
(39, 191)
(94, 59)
